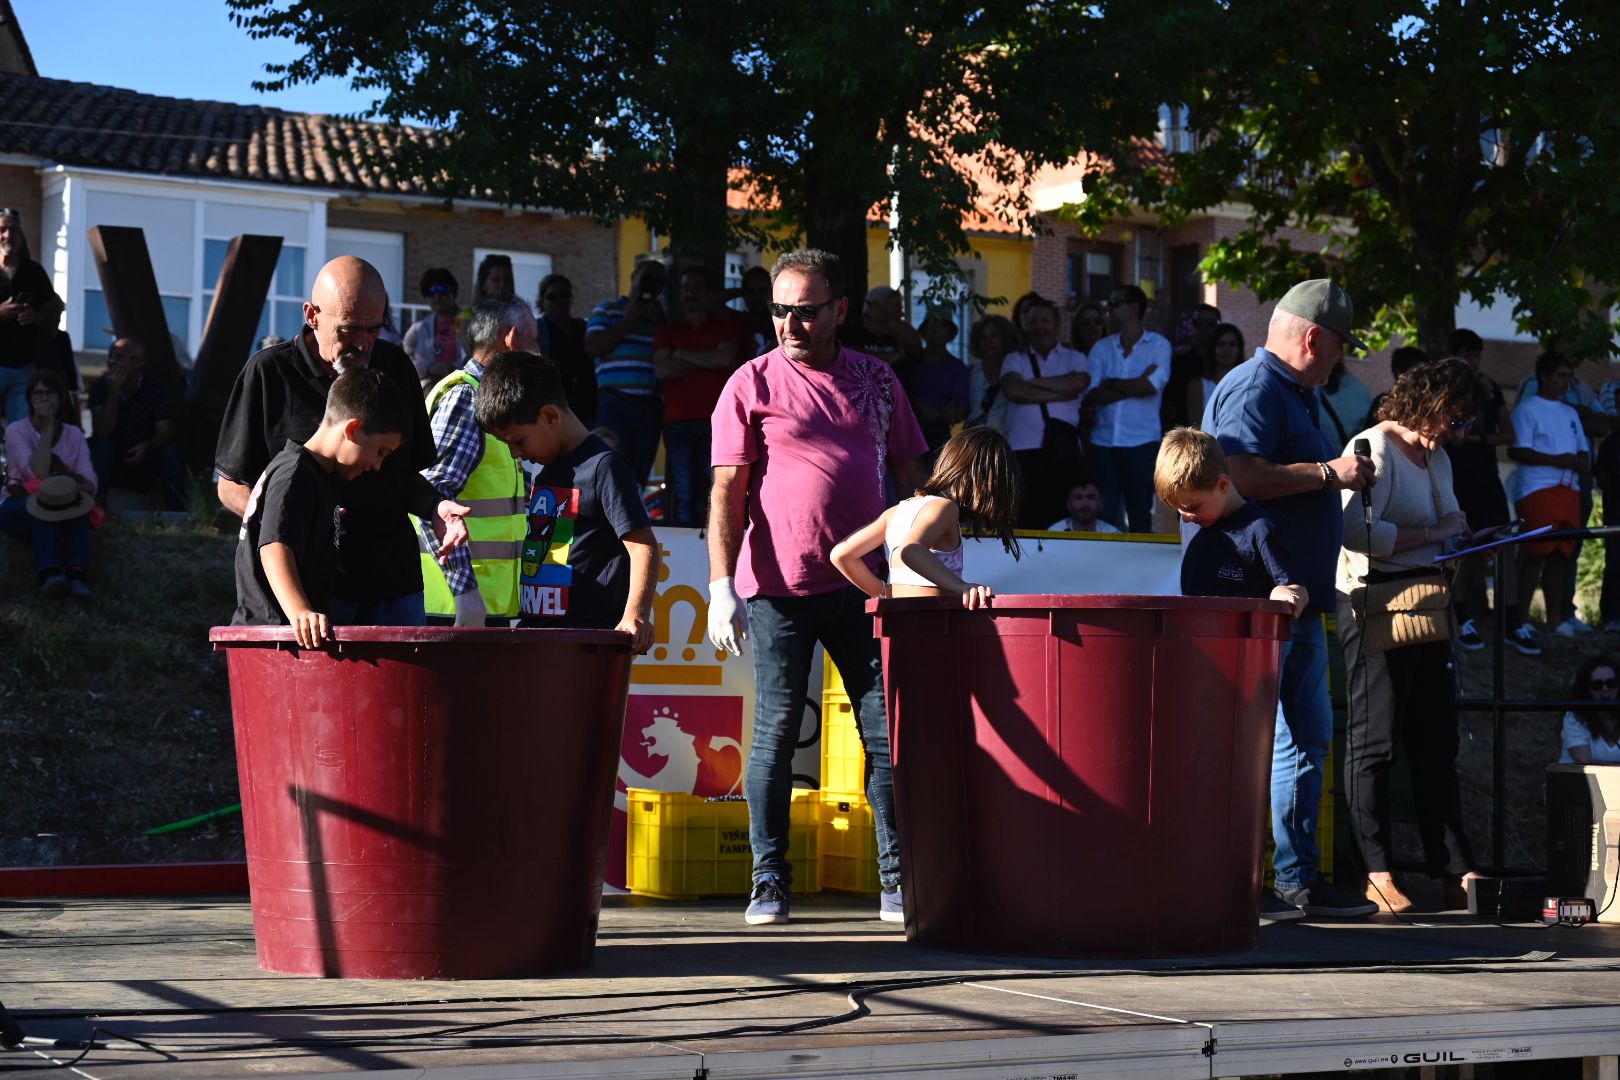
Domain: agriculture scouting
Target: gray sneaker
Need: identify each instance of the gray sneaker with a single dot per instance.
(891, 905)
(1273, 908)
(1326, 898)
(769, 902)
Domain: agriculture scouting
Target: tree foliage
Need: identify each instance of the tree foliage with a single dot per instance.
(1441, 148)
(654, 109)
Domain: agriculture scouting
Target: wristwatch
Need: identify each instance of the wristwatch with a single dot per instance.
(1327, 475)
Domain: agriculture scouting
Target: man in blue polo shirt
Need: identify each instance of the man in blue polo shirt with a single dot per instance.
(1264, 414)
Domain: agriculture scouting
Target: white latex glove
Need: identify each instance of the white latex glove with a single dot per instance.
(728, 617)
(470, 609)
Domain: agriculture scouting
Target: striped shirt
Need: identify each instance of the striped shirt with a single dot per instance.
(629, 367)
(460, 443)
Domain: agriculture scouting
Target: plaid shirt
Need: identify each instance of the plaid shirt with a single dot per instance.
(461, 447)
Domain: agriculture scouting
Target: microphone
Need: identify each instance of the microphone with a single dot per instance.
(1363, 448)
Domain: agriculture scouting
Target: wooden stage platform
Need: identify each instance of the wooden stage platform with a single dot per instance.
(686, 991)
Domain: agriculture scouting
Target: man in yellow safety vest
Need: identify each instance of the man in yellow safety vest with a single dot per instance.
(480, 581)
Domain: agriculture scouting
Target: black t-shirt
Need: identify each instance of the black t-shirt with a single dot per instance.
(19, 344)
(294, 503)
(576, 571)
(1239, 555)
(280, 396)
(1606, 469)
(138, 413)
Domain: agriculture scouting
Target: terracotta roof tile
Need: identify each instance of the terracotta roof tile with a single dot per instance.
(106, 127)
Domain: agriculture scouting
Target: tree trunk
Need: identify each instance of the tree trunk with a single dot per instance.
(840, 188)
(1436, 320)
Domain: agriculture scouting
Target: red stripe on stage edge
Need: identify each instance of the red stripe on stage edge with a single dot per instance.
(141, 879)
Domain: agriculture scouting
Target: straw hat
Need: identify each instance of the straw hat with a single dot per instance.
(59, 499)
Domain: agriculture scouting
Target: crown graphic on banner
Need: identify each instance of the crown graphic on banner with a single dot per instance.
(681, 655)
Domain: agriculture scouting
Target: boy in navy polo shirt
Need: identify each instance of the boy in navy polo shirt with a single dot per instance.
(1236, 551)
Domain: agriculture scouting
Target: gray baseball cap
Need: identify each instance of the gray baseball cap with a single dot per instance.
(1327, 305)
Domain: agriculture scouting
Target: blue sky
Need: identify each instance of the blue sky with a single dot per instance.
(177, 48)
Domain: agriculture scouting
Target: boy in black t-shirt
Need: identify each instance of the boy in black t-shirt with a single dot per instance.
(591, 559)
(1234, 552)
(287, 556)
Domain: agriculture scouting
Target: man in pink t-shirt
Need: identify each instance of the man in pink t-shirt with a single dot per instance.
(804, 441)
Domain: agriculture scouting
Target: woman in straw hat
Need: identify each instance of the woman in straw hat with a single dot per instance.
(50, 488)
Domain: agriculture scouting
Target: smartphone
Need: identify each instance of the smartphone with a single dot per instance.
(1487, 534)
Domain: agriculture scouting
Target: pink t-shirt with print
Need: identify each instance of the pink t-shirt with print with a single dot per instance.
(821, 442)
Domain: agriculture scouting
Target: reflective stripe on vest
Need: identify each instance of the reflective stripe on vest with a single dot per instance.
(488, 508)
(497, 525)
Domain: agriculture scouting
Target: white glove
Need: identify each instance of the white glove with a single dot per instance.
(728, 617)
(470, 609)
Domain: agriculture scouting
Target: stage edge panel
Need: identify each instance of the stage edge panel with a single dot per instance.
(1170, 1052)
(1383, 1042)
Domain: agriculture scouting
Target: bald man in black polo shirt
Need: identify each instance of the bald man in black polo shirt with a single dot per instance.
(281, 394)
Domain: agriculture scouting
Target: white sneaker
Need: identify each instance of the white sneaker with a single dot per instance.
(1569, 628)
(1574, 622)
(1612, 626)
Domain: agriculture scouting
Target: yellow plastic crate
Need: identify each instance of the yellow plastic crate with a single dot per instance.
(843, 762)
(848, 845)
(680, 846)
(831, 681)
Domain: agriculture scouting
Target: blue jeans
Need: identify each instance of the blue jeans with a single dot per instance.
(14, 391)
(784, 631)
(57, 544)
(400, 611)
(1125, 475)
(686, 466)
(634, 420)
(1302, 742)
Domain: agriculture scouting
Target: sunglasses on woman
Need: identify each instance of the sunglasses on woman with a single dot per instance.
(1604, 684)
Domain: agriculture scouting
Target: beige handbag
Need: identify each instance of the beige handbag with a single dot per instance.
(1405, 611)
(1409, 608)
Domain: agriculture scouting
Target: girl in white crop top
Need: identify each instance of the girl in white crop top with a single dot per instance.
(975, 481)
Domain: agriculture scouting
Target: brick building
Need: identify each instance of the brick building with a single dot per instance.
(194, 174)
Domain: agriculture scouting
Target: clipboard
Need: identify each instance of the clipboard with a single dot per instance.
(1493, 544)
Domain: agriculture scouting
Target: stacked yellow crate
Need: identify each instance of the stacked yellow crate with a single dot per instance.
(680, 846)
(848, 842)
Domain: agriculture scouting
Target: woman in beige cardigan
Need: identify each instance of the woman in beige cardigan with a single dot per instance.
(1406, 693)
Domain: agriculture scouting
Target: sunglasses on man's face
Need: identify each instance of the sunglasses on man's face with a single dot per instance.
(1604, 684)
(1205, 323)
(550, 296)
(438, 290)
(803, 312)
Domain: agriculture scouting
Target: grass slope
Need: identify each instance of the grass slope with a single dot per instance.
(114, 714)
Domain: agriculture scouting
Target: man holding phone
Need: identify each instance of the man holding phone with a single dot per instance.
(619, 337)
(28, 308)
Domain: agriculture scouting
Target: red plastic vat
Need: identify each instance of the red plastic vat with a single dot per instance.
(1082, 775)
(426, 803)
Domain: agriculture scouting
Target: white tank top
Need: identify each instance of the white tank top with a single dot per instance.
(899, 525)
